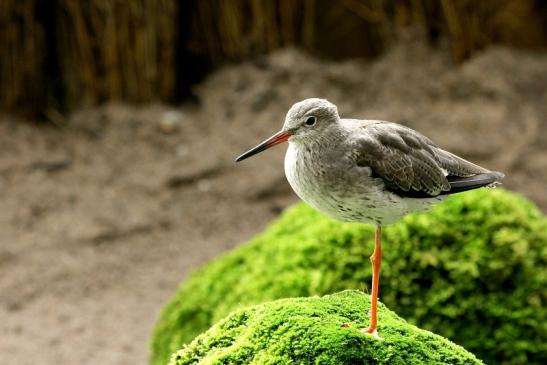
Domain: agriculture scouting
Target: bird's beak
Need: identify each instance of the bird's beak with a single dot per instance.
(279, 137)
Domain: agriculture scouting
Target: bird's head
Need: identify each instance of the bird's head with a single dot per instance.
(309, 117)
(305, 120)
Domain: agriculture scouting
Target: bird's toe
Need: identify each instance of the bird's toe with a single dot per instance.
(373, 334)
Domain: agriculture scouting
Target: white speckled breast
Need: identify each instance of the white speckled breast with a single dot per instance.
(340, 189)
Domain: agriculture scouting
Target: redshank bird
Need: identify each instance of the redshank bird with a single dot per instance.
(367, 171)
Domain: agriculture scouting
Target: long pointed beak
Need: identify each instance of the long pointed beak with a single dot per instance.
(279, 137)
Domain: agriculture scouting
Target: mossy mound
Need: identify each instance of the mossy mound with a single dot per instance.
(311, 331)
(474, 270)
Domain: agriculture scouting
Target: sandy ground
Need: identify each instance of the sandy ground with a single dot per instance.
(102, 217)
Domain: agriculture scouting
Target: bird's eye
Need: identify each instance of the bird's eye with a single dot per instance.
(310, 121)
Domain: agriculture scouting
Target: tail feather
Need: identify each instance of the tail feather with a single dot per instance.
(487, 179)
(458, 184)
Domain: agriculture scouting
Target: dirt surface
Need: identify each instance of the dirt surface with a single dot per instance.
(102, 217)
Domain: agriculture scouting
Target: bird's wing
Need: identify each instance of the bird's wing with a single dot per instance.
(411, 164)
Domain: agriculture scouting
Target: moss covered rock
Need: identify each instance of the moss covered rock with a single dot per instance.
(474, 269)
(312, 331)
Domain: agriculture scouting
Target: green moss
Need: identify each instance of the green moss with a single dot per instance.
(311, 331)
(474, 269)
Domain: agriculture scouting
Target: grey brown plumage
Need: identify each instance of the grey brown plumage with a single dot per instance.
(411, 165)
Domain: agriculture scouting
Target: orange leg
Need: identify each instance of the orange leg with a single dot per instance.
(376, 260)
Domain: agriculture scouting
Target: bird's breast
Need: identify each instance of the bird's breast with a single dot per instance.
(338, 188)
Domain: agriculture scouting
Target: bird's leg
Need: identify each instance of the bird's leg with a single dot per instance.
(376, 260)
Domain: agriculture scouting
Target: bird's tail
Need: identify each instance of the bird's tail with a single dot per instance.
(487, 179)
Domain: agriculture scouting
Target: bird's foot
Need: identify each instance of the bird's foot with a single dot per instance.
(372, 333)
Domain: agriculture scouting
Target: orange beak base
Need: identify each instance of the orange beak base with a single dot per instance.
(277, 138)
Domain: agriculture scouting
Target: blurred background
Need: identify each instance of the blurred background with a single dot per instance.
(119, 123)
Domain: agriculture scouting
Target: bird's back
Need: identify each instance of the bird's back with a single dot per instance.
(410, 164)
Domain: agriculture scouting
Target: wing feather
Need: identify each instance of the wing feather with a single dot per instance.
(408, 161)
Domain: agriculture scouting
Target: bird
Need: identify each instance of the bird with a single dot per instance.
(367, 171)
